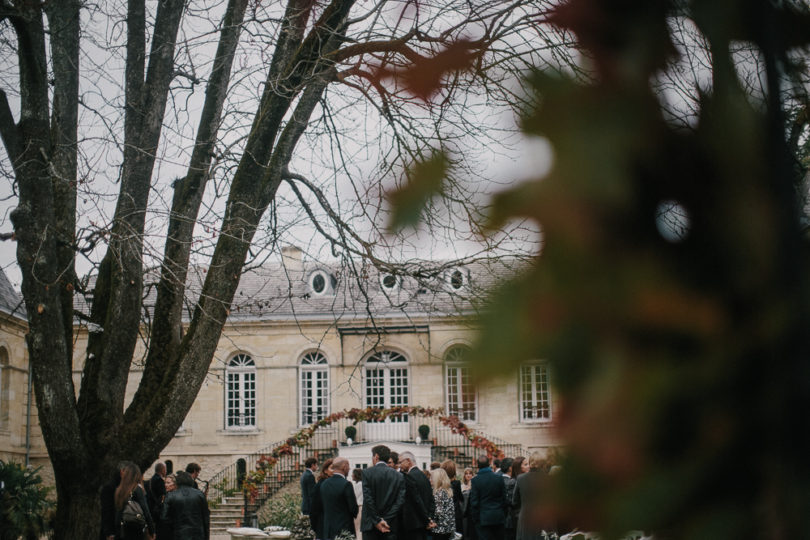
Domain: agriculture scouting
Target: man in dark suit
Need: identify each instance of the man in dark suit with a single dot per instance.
(334, 500)
(308, 484)
(156, 489)
(383, 496)
(419, 503)
(488, 502)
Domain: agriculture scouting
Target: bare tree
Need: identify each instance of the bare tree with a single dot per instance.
(117, 155)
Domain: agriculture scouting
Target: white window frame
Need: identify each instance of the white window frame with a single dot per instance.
(456, 369)
(454, 274)
(534, 397)
(396, 285)
(391, 365)
(313, 366)
(329, 283)
(240, 369)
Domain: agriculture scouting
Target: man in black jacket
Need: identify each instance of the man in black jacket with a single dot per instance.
(308, 484)
(334, 500)
(185, 510)
(488, 502)
(383, 496)
(419, 503)
(156, 488)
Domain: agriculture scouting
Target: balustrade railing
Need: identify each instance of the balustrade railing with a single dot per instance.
(327, 441)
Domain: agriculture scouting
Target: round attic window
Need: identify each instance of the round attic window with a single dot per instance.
(389, 281)
(457, 279)
(321, 283)
(318, 283)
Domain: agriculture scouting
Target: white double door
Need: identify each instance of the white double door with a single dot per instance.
(386, 387)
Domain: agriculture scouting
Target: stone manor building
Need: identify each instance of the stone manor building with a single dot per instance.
(304, 340)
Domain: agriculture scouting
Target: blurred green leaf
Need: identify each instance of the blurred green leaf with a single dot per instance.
(425, 180)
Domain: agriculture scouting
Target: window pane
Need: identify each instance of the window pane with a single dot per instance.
(374, 388)
(535, 401)
(398, 383)
(240, 392)
(314, 395)
(453, 405)
(249, 406)
(467, 394)
(461, 396)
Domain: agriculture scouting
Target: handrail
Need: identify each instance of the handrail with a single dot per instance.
(325, 443)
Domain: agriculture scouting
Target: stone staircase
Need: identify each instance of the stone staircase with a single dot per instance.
(227, 514)
(322, 445)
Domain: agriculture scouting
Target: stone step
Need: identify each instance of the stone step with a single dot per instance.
(227, 514)
(220, 523)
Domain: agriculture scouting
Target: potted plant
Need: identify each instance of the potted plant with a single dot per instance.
(351, 433)
(424, 431)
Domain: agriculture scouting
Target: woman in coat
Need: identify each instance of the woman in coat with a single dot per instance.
(525, 499)
(124, 485)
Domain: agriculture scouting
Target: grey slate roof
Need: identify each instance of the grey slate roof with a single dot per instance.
(284, 292)
(10, 300)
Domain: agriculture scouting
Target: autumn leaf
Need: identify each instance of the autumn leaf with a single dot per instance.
(425, 181)
(423, 77)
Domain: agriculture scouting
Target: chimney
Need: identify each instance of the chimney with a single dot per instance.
(292, 257)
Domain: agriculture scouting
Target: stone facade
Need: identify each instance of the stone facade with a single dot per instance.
(20, 437)
(273, 329)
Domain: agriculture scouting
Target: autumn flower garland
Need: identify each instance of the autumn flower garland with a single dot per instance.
(254, 479)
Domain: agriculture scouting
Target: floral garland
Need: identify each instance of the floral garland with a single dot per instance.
(265, 464)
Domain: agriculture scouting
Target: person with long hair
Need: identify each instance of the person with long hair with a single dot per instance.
(466, 483)
(444, 515)
(449, 467)
(124, 485)
(467, 478)
(326, 470)
(526, 497)
(316, 511)
(519, 466)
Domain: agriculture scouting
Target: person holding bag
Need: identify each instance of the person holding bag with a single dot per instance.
(124, 512)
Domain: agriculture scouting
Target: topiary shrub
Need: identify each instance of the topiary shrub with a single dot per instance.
(424, 431)
(351, 432)
(23, 503)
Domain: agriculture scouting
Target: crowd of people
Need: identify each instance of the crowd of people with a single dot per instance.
(396, 500)
(391, 500)
(173, 507)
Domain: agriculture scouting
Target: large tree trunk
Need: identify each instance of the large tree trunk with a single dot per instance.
(79, 507)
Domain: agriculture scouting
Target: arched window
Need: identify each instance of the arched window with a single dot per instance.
(460, 392)
(535, 393)
(5, 388)
(386, 380)
(314, 377)
(240, 393)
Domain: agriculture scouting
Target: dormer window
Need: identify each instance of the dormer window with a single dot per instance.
(322, 283)
(389, 282)
(457, 279)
